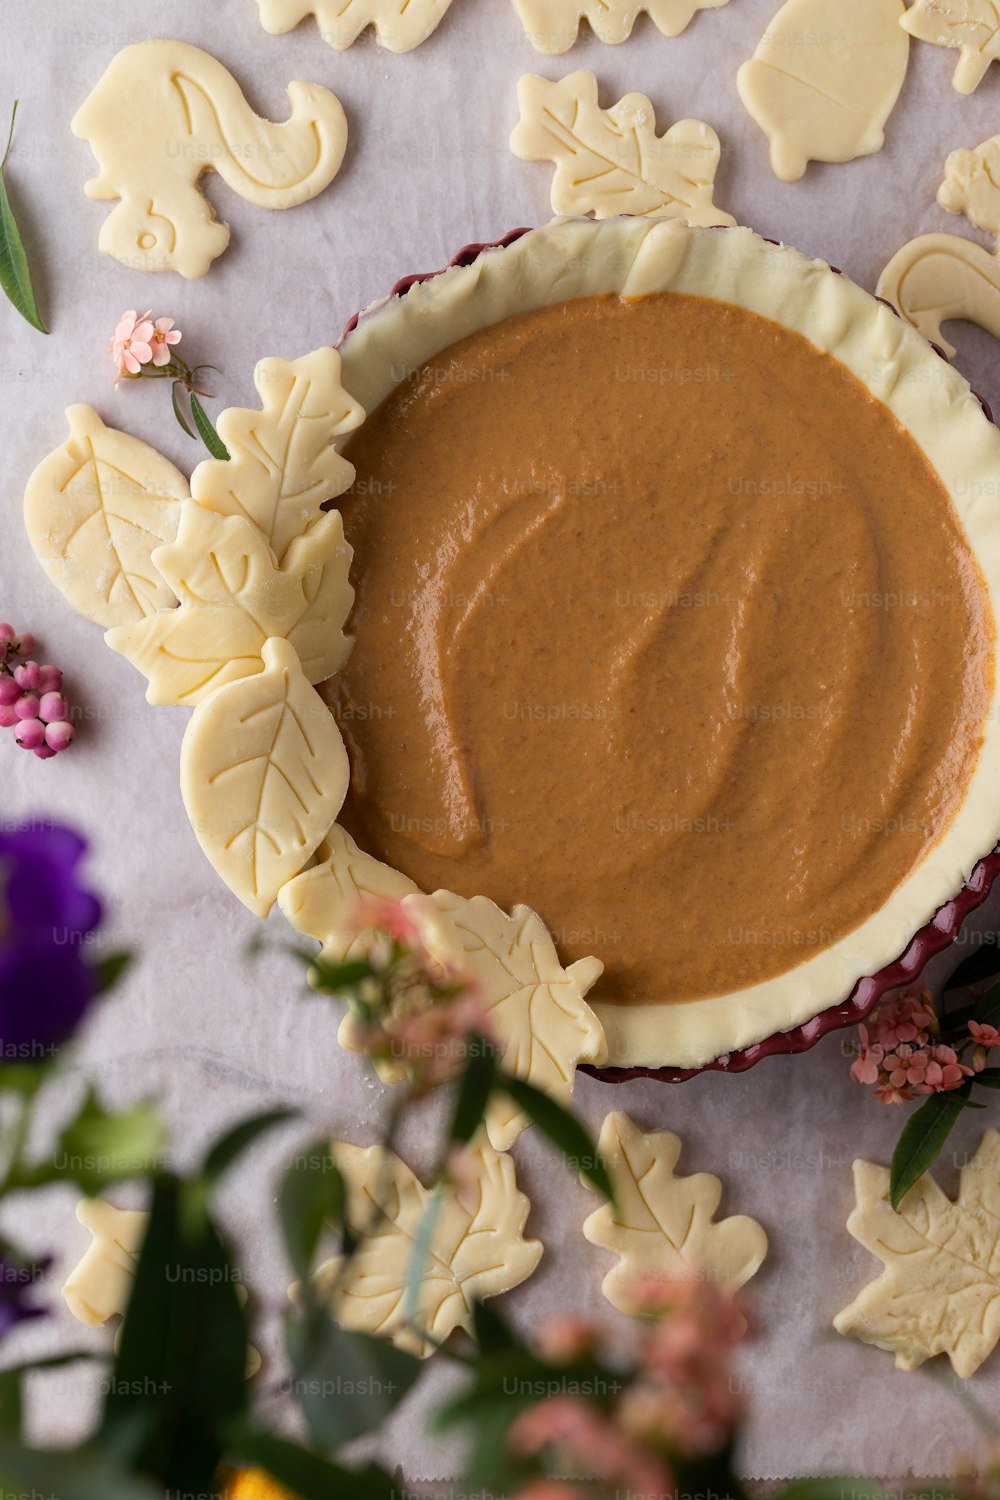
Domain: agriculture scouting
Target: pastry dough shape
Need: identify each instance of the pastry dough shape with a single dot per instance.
(611, 161)
(263, 773)
(663, 1224)
(537, 1008)
(283, 464)
(939, 277)
(477, 1248)
(940, 1290)
(95, 511)
(824, 80)
(100, 1285)
(233, 598)
(553, 25)
(971, 25)
(165, 112)
(399, 25)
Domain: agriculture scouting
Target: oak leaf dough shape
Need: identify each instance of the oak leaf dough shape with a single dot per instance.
(824, 80)
(663, 1224)
(400, 25)
(99, 1286)
(940, 1290)
(611, 161)
(164, 113)
(937, 278)
(263, 773)
(537, 1008)
(553, 25)
(233, 598)
(283, 463)
(477, 1248)
(971, 25)
(95, 510)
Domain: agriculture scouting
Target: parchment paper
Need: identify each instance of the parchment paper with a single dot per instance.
(428, 170)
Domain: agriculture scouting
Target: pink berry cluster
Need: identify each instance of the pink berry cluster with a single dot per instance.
(31, 698)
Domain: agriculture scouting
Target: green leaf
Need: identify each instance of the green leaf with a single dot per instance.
(346, 1384)
(71, 1474)
(922, 1139)
(987, 1010)
(421, 1251)
(15, 274)
(99, 1147)
(206, 431)
(490, 1330)
(832, 1487)
(311, 1196)
(983, 964)
(306, 1474)
(10, 1386)
(334, 979)
(179, 1376)
(562, 1128)
(110, 970)
(473, 1090)
(175, 397)
(232, 1145)
(990, 1079)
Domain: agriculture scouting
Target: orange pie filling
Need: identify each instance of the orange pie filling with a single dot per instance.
(665, 627)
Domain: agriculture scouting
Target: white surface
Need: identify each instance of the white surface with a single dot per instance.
(427, 170)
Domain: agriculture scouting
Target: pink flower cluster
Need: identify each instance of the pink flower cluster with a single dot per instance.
(139, 341)
(31, 698)
(678, 1404)
(901, 1054)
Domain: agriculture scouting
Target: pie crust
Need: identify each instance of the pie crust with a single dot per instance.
(634, 257)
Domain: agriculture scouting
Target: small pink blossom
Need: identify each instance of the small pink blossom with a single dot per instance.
(131, 343)
(165, 335)
(564, 1340)
(985, 1036)
(379, 914)
(943, 1071)
(583, 1435)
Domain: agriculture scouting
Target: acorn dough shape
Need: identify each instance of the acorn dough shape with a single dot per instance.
(163, 113)
(824, 80)
(975, 28)
(938, 278)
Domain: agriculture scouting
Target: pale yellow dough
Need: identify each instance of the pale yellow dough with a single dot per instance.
(263, 774)
(537, 1009)
(940, 277)
(95, 511)
(165, 112)
(971, 25)
(477, 1248)
(662, 1224)
(552, 26)
(611, 161)
(399, 25)
(940, 1290)
(824, 80)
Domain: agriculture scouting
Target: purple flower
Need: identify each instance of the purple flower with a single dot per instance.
(17, 1278)
(46, 917)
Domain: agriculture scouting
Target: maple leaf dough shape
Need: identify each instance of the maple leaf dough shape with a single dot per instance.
(164, 113)
(939, 277)
(95, 510)
(972, 25)
(611, 161)
(100, 1285)
(940, 1290)
(399, 25)
(537, 1009)
(263, 773)
(477, 1248)
(824, 80)
(663, 1225)
(553, 25)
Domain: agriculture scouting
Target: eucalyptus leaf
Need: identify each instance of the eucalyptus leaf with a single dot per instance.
(206, 431)
(346, 1384)
(922, 1140)
(311, 1197)
(236, 1141)
(306, 1474)
(563, 1129)
(15, 274)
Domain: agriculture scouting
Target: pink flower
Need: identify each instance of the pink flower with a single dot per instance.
(870, 1055)
(165, 335)
(582, 1435)
(131, 343)
(943, 1072)
(550, 1489)
(906, 1067)
(986, 1036)
(564, 1340)
(378, 913)
(432, 1042)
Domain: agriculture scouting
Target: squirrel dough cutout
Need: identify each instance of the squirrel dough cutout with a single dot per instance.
(165, 112)
(399, 25)
(937, 278)
(972, 25)
(824, 80)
